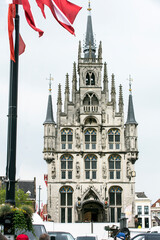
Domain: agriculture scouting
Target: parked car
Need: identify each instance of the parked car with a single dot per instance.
(38, 230)
(60, 236)
(87, 237)
(147, 236)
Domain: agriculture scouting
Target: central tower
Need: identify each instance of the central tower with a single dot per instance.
(89, 150)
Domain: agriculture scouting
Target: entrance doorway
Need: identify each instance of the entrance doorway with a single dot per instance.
(92, 212)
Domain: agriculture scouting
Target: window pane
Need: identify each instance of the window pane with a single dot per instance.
(111, 146)
(117, 146)
(93, 146)
(112, 198)
(69, 174)
(63, 199)
(94, 175)
(118, 164)
(69, 215)
(87, 164)
(63, 138)
(70, 138)
(110, 138)
(62, 215)
(111, 164)
(87, 175)
(112, 215)
(69, 146)
(118, 199)
(63, 175)
(117, 138)
(111, 173)
(69, 199)
(146, 210)
(94, 165)
(93, 138)
(146, 222)
(139, 210)
(87, 146)
(63, 164)
(118, 214)
(87, 138)
(118, 174)
(70, 164)
(63, 146)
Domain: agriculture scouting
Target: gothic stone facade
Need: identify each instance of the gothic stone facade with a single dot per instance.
(90, 152)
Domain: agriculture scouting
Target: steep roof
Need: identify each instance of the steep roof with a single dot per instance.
(131, 116)
(28, 187)
(49, 116)
(141, 195)
(154, 204)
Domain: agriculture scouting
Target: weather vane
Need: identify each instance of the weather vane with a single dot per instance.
(130, 83)
(89, 6)
(50, 83)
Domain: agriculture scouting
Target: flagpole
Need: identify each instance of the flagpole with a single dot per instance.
(12, 120)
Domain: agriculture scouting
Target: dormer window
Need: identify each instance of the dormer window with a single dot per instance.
(90, 78)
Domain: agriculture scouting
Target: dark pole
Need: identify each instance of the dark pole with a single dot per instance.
(39, 198)
(12, 121)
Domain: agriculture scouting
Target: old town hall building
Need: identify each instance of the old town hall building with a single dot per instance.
(89, 149)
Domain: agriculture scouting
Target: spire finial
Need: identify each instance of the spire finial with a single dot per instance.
(50, 83)
(130, 84)
(89, 6)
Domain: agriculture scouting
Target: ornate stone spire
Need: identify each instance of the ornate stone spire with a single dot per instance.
(66, 101)
(49, 116)
(113, 92)
(59, 99)
(74, 83)
(89, 36)
(100, 52)
(130, 117)
(105, 82)
(79, 50)
(120, 99)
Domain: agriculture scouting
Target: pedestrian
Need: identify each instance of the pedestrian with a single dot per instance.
(22, 237)
(2, 237)
(44, 236)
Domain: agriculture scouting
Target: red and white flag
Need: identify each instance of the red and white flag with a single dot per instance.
(11, 16)
(28, 14)
(64, 12)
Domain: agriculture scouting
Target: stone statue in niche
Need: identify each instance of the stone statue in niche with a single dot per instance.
(103, 139)
(77, 170)
(104, 170)
(129, 172)
(77, 140)
(53, 170)
(78, 115)
(103, 116)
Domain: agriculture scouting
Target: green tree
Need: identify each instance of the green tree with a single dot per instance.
(21, 198)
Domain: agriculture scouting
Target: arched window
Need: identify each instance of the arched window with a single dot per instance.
(66, 166)
(90, 139)
(115, 202)
(90, 78)
(114, 167)
(90, 102)
(90, 166)
(66, 138)
(114, 139)
(66, 204)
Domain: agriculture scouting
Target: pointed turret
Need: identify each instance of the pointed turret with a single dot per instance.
(120, 100)
(74, 83)
(66, 101)
(59, 104)
(49, 130)
(105, 83)
(100, 52)
(89, 40)
(113, 92)
(130, 117)
(79, 50)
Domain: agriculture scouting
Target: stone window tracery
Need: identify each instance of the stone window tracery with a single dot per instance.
(115, 202)
(114, 167)
(90, 167)
(66, 138)
(90, 102)
(90, 78)
(66, 204)
(66, 166)
(114, 139)
(90, 139)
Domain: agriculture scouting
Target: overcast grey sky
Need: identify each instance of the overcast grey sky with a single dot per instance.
(130, 35)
